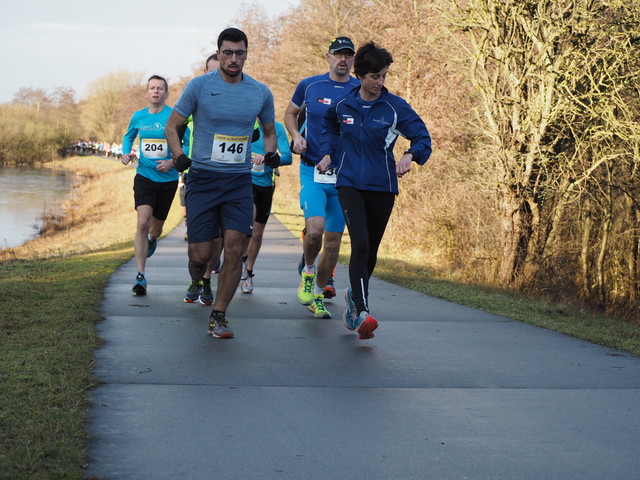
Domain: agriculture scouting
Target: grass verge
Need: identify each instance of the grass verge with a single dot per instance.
(48, 336)
(50, 294)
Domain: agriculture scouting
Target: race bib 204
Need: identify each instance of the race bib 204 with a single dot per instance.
(154, 147)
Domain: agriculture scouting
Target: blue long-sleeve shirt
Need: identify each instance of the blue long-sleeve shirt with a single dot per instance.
(364, 134)
(153, 144)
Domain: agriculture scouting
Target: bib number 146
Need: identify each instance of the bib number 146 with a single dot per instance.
(229, 149)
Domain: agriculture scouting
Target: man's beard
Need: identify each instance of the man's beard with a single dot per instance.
(231, 74)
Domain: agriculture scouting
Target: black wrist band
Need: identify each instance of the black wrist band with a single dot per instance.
(272, 159)
(182, 162)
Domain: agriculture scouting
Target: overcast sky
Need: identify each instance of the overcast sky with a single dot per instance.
(50, 43)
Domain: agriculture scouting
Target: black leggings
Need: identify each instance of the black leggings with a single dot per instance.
(366, 214)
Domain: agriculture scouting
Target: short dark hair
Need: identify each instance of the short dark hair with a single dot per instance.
(233, 35)
(158, 77)
(370, 58)
(211, 57)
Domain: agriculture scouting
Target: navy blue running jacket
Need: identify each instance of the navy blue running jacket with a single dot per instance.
(363, 134)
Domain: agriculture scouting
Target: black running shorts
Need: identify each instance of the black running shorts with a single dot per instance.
(158, 195)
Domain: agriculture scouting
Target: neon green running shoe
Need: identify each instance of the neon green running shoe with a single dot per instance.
(305, 290)
(318, 308)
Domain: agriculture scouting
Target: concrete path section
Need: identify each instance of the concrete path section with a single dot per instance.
(441, 392)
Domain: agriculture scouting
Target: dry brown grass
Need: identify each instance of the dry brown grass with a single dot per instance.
(98, 213)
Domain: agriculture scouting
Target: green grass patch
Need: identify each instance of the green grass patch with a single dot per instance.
(47, 341)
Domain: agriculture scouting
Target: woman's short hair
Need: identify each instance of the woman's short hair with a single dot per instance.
(370, 58)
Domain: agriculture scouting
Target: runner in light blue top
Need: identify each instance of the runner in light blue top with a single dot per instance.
(149, 126)
(156, 180)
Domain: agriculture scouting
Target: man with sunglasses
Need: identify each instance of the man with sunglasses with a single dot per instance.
(318, 194)
(224, 105)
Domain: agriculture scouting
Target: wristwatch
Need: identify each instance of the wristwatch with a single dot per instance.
(410, 152)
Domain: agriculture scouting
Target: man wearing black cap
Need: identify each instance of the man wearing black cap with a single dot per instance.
(318, 195)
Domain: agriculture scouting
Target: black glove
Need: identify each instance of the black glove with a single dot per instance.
(272, 159)
(182, 162)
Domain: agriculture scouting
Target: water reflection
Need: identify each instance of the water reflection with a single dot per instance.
(25, 194)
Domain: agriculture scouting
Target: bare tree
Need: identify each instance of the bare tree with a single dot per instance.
(549, 75)
(32, 97)
(100, 108)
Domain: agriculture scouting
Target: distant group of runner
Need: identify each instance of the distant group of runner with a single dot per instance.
(221, 145)
(103, 149)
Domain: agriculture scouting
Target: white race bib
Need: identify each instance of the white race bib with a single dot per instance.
(327, 177)
(229, 149)
(155, 148)
(258, 168)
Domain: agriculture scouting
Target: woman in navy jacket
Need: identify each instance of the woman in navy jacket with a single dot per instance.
(360, 131)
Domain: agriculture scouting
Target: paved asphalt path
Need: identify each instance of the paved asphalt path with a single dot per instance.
(441, 392)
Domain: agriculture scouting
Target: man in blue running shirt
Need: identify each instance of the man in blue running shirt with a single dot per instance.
(224, 104)
(156, 178)
(318, 194)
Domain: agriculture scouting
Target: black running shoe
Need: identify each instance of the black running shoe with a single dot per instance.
(219, 327)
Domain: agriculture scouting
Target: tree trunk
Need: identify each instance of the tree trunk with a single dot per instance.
(587, 225)
(516, 223)
(600, 276)
(632, 251)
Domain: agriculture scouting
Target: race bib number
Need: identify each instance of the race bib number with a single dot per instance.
(258, 168)
(155, 148)
(229, 149)
(327, 177)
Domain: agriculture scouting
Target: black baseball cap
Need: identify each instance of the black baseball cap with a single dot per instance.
(341, 43)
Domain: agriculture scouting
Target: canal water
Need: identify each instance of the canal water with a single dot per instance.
(25, 195)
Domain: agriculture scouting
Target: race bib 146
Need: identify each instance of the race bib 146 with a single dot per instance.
(229, 149)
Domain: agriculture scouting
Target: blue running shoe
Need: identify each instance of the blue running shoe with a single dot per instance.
(350, 315)
(140, 287)
(152, 246)
(329, 290)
